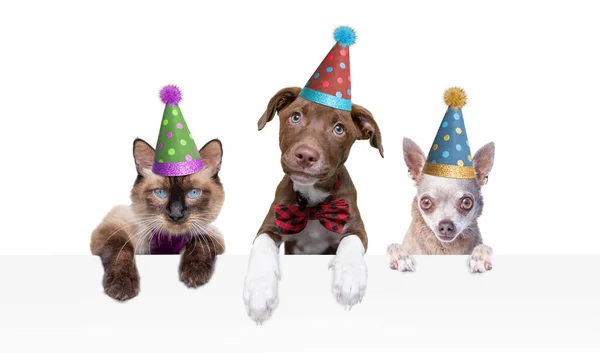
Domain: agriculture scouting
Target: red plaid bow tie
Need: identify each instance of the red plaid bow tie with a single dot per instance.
(332, 214)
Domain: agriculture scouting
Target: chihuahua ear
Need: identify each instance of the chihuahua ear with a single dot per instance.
(367, 126)
(483, 162)
(414, 158)
(212, 155)
(280, 100)
(143, 154)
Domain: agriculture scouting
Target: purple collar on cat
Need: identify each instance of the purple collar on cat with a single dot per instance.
(165, 244)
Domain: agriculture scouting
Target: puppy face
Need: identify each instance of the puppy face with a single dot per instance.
(314, 139)
(448, 205)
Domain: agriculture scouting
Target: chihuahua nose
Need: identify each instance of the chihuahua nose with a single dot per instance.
(306, 156)
(446, 228)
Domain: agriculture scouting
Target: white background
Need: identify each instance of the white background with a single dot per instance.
(79, 81)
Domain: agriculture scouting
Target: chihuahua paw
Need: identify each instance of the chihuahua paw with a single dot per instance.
(121, 284)
(481, 259)
(349, 280)
(400, 259)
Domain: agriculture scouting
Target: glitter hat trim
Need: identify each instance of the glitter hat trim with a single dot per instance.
(326, 99)
(449, 171)
(177, 168)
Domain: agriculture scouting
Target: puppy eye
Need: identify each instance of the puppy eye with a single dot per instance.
(466, 203)
(426, 203)
(295, 118)
(160, 193)
(338, 129)
(194, 193)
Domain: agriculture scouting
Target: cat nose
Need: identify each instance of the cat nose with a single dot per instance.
(446, 228)
(176, 217)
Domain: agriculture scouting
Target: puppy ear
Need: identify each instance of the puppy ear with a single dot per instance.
(212, 155)
(367, 126)
(143, 154)
(279, 101)
(414, 158)
(483, 162)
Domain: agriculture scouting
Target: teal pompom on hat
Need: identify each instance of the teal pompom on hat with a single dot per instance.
(450, 154)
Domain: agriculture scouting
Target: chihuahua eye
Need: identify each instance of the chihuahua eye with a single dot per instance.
(338, 129)
(426, 203)
(466, 203)
(160, 193)
(295, 118)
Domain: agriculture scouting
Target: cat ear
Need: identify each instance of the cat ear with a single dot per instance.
(212, 154)
(143, 154)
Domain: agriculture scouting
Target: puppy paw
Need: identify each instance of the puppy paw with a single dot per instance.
(194, 272)
(481, 259)
(349, 280)
(400, 259)
(261, 295)
(121, 283)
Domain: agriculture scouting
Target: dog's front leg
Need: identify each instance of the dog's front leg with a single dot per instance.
(262, 279)
(481, 259)
(349, 271)
(400, 259)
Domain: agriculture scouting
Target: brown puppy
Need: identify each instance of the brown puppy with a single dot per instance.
(315, 142)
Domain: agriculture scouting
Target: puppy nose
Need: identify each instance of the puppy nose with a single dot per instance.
(306, 156)
(446, 228)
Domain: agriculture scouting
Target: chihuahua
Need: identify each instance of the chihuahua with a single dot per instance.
(444, 213)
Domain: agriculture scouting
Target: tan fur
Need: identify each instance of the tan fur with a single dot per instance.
(127, 229)
(421, 239)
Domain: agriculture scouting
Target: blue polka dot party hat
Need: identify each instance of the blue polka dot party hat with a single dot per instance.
(176, 153)
(330, 83)
(450, 155)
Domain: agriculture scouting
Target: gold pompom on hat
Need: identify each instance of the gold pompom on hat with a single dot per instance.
(450, 154)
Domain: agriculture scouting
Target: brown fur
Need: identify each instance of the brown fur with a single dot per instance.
(315, 131)
(126, 230)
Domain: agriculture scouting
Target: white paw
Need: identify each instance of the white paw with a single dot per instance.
(349, 281)
(400, 259)
(262, 280)
(481, 259)
(260, 296)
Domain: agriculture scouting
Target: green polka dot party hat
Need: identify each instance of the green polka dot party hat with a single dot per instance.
(450, 153)
(176, 152)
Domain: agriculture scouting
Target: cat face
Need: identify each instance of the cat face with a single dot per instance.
(178, 205)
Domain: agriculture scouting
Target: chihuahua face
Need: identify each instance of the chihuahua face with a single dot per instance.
(448, 206)
(315, 140)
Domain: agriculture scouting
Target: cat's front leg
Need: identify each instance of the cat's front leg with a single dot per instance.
(121, 280)
(197, 263)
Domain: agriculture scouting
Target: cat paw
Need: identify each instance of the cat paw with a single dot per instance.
(480, 260)
(400, 259)
(121, 284)
(349, 280)
(195, 272)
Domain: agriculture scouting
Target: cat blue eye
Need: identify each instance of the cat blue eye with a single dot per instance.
(160, 193)
(193, 194)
